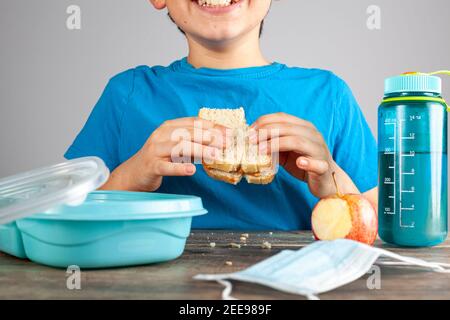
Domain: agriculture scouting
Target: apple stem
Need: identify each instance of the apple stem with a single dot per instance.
(338, 191)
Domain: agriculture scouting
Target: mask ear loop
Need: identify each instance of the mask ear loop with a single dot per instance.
(226, 293)
(312, 297)
(436, 267)
(410, 261)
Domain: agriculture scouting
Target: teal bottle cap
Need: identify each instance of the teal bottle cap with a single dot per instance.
(413, 82)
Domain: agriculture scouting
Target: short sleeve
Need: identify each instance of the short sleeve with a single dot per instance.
(355, 148)
(100, 135)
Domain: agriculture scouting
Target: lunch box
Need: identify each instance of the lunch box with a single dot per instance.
(52, 217)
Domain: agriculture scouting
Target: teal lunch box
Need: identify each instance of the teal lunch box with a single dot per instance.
(102, 229)
(11, 240)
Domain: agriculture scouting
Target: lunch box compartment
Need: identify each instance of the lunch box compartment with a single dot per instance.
(11, 240)
(104, 244)
(52, 217)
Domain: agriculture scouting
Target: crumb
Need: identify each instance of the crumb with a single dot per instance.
(266, 245)
(229, 263)
(271, 233)
(243, 239)
(235, 245)
(212, 244)
(245, 235)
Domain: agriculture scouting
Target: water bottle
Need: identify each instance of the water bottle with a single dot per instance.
(412, 139)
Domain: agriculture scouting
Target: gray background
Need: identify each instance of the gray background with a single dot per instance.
(51, 77)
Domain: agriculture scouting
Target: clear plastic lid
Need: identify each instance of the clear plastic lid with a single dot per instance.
(36, 191)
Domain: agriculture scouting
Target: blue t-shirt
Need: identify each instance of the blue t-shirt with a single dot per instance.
(138, 101)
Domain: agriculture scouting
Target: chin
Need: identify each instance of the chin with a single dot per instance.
(221, 35)
(213, 35)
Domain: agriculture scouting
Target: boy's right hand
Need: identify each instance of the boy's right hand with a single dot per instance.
(170, 151)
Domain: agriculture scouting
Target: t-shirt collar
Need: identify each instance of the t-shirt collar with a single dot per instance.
(251, 72)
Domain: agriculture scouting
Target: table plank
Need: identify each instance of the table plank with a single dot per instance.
(21, 279)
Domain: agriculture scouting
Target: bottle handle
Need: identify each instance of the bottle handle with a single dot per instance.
(435, 73)
(440, 72)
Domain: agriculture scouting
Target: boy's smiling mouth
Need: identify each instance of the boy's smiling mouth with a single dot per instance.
(217, 6)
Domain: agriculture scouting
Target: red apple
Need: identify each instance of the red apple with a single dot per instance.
(349, 216)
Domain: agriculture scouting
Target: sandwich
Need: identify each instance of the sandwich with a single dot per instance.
(240, 158)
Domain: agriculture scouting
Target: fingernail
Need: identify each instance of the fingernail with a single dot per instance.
(304, 162)
(190, 169)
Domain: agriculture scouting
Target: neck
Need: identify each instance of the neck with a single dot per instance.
(238, 53)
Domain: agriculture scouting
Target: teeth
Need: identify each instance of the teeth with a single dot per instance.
(216, 3)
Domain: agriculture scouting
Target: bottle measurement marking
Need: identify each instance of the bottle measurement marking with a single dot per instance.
(412, 173)
(399, 158)
(391, 181)
(408, 154)
(403, 157)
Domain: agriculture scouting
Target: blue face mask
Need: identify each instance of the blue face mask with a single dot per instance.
(320, 267)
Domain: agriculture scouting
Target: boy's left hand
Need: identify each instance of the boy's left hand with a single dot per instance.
(302, 149)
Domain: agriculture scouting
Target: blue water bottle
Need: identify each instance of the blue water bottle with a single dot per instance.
(412, 139)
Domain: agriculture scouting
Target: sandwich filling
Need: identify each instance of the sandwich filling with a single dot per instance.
(240, 158)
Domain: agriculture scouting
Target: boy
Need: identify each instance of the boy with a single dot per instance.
(321, 128)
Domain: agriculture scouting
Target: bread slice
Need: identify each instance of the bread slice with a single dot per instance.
(253, 161)
(228, 177)
(264, 177)
(230, 118)
(234, 119)
(240, 158)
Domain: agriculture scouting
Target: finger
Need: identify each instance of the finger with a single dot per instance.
(296, 144)
(169, 169)
(274, 130)
(280, 118)
(184, 148)
(209, 137)
(318, 167)
(188, 151)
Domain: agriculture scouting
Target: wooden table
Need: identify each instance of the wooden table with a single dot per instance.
(21, 279)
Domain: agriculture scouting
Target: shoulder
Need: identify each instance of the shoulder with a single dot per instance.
(125, 83)
(323, 83)
(314, 76)
(143, 75)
